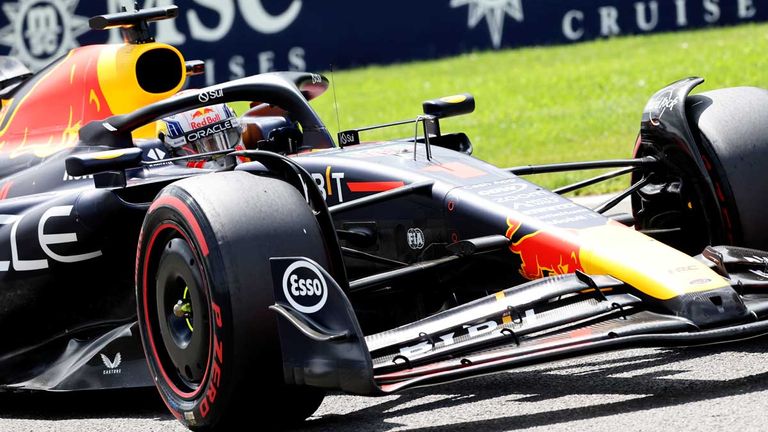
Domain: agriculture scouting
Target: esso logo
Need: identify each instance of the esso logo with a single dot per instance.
(304, 287)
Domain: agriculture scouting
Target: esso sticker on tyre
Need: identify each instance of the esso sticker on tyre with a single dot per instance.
(304, 287)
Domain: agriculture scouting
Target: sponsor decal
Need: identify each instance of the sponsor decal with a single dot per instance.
(40, 31)
(205, 121)
(210, 130)
(156, 154)
(495, 13)
(214, 382)
(112, 366)
(701, 281)
(327, 181)
(201, 112)
(415, 238)
(45, 240)
(68, 177)
(543, 253)
(209, 95)
(349, 137)
(666, 101)
(330, 184)
(683, 269)
(503, 190)
(468, 332)
(304, 287)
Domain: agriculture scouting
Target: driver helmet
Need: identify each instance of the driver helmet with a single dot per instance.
(202, 130)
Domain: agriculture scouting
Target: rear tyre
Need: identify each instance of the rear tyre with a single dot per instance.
(203, 286)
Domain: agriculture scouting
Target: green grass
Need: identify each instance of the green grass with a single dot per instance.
(550, 104)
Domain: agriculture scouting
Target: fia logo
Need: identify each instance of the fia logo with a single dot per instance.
(494, 12)
(415, 238)
(39, 31)
(112, 365)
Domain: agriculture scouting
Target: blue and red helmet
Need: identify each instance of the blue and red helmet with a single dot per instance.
(203, 130)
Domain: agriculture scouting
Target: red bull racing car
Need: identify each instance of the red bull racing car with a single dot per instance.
(316, 264)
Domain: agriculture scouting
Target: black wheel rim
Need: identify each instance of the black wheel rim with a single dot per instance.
(182, 314)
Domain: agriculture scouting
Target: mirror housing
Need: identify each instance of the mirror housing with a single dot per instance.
(449, 106)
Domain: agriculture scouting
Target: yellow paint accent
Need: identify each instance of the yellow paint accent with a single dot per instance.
(184, 297)
(690, 205)
(93, 98)
(118, 81)
(328, 180)
(72, 73)
(69, 135)
(4, 110)
(650, 266)
(109, 154)
(506, 319)
(454, 99)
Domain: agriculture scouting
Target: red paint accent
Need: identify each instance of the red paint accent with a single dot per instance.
(451, 205)
(456, 169)
(728, 226)
(63, 99)
(374, 186)
(174, 388)
(4, 190)
(638, 141)
(544, 253)
(719, 192)
(181, 207)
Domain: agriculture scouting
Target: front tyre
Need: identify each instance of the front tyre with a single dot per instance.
(203, 286)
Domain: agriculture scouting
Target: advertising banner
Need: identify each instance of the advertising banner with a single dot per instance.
(243, 37)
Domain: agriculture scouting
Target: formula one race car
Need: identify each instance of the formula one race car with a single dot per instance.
(364, 267)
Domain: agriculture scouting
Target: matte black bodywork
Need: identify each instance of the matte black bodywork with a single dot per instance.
(431, 287)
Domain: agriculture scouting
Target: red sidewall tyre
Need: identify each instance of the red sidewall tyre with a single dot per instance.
(203, 288)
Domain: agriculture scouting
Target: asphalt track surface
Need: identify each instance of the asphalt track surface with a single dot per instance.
(713, 388)
(723, 387)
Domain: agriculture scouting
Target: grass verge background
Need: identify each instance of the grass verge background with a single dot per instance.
(550, 104)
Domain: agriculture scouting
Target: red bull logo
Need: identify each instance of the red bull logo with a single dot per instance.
(207, 116)
(201, 112)
(544, 253)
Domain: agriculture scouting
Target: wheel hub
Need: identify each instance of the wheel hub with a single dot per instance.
(182, 308)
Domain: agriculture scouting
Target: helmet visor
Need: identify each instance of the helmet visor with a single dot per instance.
(218, 136)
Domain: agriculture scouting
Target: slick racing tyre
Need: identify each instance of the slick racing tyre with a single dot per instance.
(726, 206)
(734, 138)
(203, 288)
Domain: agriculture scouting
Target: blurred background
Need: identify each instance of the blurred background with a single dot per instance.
(554, 80)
